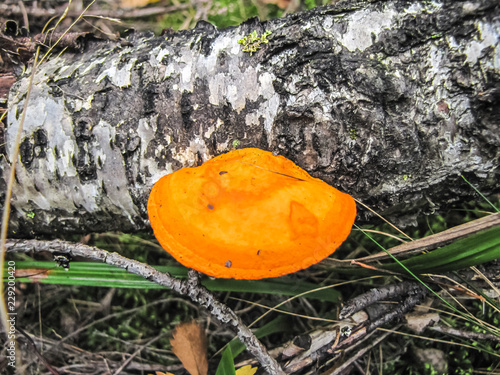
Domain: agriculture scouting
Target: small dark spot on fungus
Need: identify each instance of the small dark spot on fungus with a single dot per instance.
(210, 206)
(222, 172)
(228, 264)
(258, 252)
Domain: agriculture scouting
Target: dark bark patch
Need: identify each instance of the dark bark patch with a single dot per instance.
(83, 129)
(120, 141)
(205, 45)
(56, 91)
(133, 142)
(222, 59)
(186, 111)
(85, 165)
(149, 98)
(84, 159)
(290, 132)
(26, 152)
(33, 147)
(40, 143)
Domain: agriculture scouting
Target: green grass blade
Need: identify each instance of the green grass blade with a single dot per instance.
(280, 286)
(481, 194)
(473, 250)
(476, 249)
(104, 275)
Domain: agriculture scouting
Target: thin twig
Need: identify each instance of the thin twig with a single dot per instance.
(60, 344)
(495, 354)
(196, 293)
(465, 334)
(378, 294)
(129, 359)
(93, 362)
(383, 218)
(359, 354)
(66, 31)
(38, 354)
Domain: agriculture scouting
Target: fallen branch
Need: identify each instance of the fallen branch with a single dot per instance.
(190, 288)
(468, 335)
(359, 322)
(360, 319)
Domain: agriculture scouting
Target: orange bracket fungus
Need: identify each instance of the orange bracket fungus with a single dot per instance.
(248, 214)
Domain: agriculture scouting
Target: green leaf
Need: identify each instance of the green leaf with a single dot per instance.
(226, 364)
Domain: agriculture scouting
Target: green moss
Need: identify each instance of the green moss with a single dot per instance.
(352, 133)
(252, 42)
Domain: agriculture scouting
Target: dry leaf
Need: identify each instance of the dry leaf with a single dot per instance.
(419, 322)
(136, 3)
(283, 4)
(189, 344)
(246, 370)
(162, 373)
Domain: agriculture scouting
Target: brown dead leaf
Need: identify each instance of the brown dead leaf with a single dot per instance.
(189, 344)
(283, 4)
(136, 3)
(35, 274)
(419, 322)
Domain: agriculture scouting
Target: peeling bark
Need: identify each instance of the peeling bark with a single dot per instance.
(389, 101)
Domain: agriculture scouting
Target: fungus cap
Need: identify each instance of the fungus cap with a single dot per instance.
(248, 214)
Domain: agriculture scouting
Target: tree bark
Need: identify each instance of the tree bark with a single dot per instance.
(389, 101)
